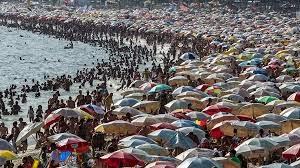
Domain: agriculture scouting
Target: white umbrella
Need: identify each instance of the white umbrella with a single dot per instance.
(28, 130)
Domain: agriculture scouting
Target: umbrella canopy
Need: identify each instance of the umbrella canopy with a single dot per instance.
(219, 117)
(253, 110)
(213, 109)
(226, 162)
(68, 112)
(266, 99)
(163, 125)
(73, 145)
(291, 113)
(153, 149)
(195, 115)
(250, 151)
(294, 97)
(140, 137)
(61, 136)
(131, 143)
(92, 109)
(126, 102)
(178, 80)
(146, 87)
(269, 125)
(7, 155)
(125, 110)
(196, 103)
(196, 131)
(159, 88)
(195, 152)
(161, 164)
(233, 97)
(194, 94)
(147, 106)
(137, 83)
(116, 127)
(189, 56)
(179, 140)
(201, 162)
(296, 131)
(265, 143)
(295, 164)
(4, 145)
(165, 118)
(277, 165)
(271, 117)
(185, 123)
(51, 119)
(161, 135)
(121, 159)
(176, 104)
(28, 130)
(182, 89)
(289, 125)
(137, 153)
(146, 120)
(131, 91)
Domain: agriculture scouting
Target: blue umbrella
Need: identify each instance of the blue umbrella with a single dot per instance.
(201, 162)
(160, 88)
(182, 89)
(196, 131)
(4, 145)
(185, 123)
(126, 102)
(180, 140)
(252, 62)
(63, 156)
(153, 149)
(140, 137)
(162, 135)
(177, 104)
(132, 143)
(189, 56)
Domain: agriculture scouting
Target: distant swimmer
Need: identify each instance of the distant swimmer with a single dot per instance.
(69, 46)
(21, 36)
(58, 60)
(45, 59)
(21, 58)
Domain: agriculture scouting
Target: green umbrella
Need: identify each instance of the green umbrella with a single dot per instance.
(266, 99)
(160, 88)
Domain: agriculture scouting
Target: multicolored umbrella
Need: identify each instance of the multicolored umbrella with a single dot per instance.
(182, 89)
(250, 151)
(146, 87)
(7, 155)
(77, 145)
(294, 97)
(145, 121)
(292, 152)
(291, 113)
(117, 127)
(61, 136)
(92, 109)
(213, 109)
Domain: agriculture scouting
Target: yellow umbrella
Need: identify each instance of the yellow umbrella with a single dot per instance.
(85, 114)
(244, 128)
(147, 106)
(196, 103)
(288, 125)
(254, 110)
(116, 127)
(7, 155)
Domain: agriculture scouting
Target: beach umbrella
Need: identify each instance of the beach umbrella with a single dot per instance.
(131, 143)
(77, 145)
(147, 106)
(181, 116)
(285, 78)
(178, 81)
(161, 164)
(258, 77)
(194, 94)
(239, 91)
(146, 87)
(92, 109)
(244, 129)
(140, 154)
(213, 109)
(196, 103)
(219, 117)
(269, 125)
(183, 111)
(121, 159)
(295, 164)
(250, 151)
(163, 125)
(245, 118)
(160, 88)
(189, 56)
(126, 110)
(161, 135)
(295, 131)
(165, 118)
(265, 143)
(289, 125)
(262, 92)
(282, 106)
(271, 117)
(165, 158)
(233, 97)
(185, 123)
(61, 136)
(176, 104)
(179, 140)
(126, 102)
(131, 91)
(294, 97)
(145, 121)
(289, 88)
(253, 110)
(213, 90)
(138, 96)
(199, 162)
(139, 137)
(195, 115)
(277, 165)
(28, 130)
(226, 162)
(7, 155)
(4, 145)
(116, 127)
(51, 119)
(68, 113)
(291, 113)
(266, 99)
(274, 103)
(293, 138)
(195, 152)
(182, 89)
(196, 131)
(137, 83)
(202, 87)
(292, 152)
(153, 149)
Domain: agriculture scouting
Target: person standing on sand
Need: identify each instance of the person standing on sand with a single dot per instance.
(80, 99)
(108, 101)
(30, 114)
(70, 103)
(14, 133)
(3, 131)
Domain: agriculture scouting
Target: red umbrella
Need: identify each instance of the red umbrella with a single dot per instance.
(73, 145)
(181, 116)
(294, 97)
(245, 118)
(51, 119)
(181, 111)
(202, 87)
(163, 125)
(121, 159)
(292, 152)
(213, 109)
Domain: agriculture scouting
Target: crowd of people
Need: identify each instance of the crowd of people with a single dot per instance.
(135, 40)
